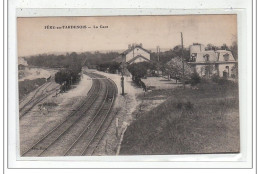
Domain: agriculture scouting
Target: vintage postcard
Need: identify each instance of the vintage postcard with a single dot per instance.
(128, 85)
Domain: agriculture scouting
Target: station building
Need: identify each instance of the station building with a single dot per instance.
(210, 62)
(134, 54)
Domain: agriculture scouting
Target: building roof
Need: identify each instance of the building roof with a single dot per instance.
(136, 57)
(225, 51)
(212, 62)
(137, 46)
(215, 56)
(208, 51)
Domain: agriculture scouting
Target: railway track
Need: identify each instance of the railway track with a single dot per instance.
(33, 97)
(35, 100)
(92, 146)
(43, 143)
(86, 137)
(82, 130)
(90, 137)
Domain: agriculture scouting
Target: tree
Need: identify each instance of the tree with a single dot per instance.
(177, 52)
(174, 68)
(234, 50)
(224, 47)
(62, 76)
(166, 56)
(211, 47)
(66, 77)
(66, 60)
(113, 67)
(139, 70)
(110, 66)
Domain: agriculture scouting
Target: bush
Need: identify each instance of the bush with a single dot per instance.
(189, 105)
(223, 82)
(195, 79)
(185, 105)
(215, 78)
(139, 70)
(110, 66)
(66, 77)
(219, 80)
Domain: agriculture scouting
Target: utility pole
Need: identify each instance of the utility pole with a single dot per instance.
(122, 85)
(183, 79)
(122, 75)
(158, 53)
(158, 59)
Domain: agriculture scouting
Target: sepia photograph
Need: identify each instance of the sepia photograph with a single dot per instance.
(128, 85)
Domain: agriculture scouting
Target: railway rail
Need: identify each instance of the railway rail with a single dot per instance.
(85, 142)
(81, 132)
(36, 99)
(34, 95)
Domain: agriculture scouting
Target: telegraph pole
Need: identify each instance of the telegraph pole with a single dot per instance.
(122, 85)
(158, 59)
(183, 79)
(122, 77)
(158, 53)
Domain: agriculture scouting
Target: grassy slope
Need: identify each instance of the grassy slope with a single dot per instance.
(203, 120)
(27, 86)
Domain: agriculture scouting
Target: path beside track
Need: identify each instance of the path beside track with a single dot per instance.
(81, 132)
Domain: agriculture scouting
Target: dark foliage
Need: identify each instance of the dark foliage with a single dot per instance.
(67, 77)
(139, 70)
(111, 67)
(234, 50)
(98, 58)
(27, 86)
(166, 56)
(223, 82)
(194, 79)
(64, 61)
(56, 61)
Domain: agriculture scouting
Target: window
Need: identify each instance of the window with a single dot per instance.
(226, 57)
(193, 57)
(206, 57)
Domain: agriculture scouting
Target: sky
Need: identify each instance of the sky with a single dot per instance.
(152, 31)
